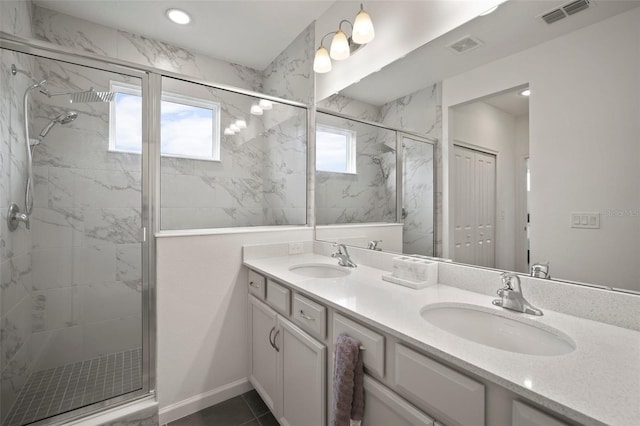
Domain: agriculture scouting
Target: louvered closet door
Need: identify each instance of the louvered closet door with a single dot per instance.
(464, 205)
(485, 182)
(474, 197)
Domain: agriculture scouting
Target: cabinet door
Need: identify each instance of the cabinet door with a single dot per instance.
(262, 321)
(523, 415)
(382, 407)
(302, 371)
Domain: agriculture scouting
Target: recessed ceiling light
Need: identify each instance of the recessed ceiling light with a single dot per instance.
(526, 92)
(488, 11)
(178, 16)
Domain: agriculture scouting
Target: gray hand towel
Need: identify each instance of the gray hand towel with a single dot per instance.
(348, 382)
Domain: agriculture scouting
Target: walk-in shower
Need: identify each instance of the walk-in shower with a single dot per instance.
(74, 277)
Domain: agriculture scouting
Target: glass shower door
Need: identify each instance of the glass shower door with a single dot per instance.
(72, 280)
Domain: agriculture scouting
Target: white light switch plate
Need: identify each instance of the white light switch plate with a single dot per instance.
(585, 220)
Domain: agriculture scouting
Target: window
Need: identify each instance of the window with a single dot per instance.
(335, 149)
(190, 127)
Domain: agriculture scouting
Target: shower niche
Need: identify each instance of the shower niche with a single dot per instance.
(72, 249)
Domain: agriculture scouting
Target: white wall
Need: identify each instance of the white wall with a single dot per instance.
(202, 317)
(485, 126)
(585, 154)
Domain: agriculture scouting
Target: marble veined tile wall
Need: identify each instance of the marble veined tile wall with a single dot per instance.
(368, 195)
(86, 226)
(420, 112)
(15, 247)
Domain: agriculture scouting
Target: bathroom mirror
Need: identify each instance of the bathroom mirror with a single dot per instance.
(553, 177)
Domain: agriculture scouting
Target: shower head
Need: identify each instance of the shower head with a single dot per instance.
(92, 96)
(384, 148)
(64, 118)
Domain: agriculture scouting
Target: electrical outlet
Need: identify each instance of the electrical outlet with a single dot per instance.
(296, 248)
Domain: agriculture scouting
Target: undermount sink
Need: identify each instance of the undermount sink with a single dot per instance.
(491, 328)
(320, 270)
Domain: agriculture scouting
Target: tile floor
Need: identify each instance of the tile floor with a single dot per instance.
(56, 390)
(247, 410)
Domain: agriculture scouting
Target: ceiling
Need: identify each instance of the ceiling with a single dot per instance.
(245, 32)
(512, 103)
(515, 26)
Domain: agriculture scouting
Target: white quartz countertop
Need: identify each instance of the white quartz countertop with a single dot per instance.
(598, 383)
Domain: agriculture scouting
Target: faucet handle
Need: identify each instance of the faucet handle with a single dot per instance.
(508, 280)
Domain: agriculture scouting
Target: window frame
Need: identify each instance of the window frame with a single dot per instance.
(131, 89)
(350, 153)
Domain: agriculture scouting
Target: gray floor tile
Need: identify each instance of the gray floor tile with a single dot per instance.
(256, 403)
(268, 420)
(232, 412)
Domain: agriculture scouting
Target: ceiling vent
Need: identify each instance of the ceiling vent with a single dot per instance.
(565, 10)
(465, 44)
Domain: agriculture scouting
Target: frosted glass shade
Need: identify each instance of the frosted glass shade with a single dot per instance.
(256, 110)
(340, 46)
(362, 28)
(322, 62)
(265, 104)
(229, 132)
(241, 123)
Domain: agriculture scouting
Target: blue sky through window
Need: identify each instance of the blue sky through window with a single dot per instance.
(186, 130)
(332, 151)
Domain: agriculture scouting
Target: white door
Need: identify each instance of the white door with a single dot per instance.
(464, 206)
(485, 182)
(474, 198)
(302, 365)
(264, 365)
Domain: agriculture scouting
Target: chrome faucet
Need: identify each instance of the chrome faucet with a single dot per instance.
(511, 296)
(343, 256)
(373, 245)
(540, 270)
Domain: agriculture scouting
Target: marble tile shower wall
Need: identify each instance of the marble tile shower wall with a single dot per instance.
(365, 196)
(215, 203)
(420, 112)
(86, 228)
(15, 247)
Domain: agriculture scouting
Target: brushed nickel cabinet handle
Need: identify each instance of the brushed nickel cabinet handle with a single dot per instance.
(305, 316)
(254, 285)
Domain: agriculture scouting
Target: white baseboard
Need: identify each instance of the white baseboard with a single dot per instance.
(201, 401)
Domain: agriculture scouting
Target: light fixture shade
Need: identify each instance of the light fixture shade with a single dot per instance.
(362, 28)
(234, 127)
(229, 132)
(256, 110)
(241, 123)
(322, 61)
(526, 92)
(340, 46)
(265, 104)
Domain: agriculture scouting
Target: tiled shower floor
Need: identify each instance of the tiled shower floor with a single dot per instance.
(51, 392)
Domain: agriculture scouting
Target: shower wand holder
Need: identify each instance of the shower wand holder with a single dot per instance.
(14, 217)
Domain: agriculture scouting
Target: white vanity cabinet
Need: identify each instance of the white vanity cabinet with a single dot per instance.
(288, 367)
(384, 408)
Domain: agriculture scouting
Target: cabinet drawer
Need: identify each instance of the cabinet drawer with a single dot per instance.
(373, 343)
(382, 407)
(438, 389)
(278, 297)
(310, 316)
(523, 415)
(257, 285)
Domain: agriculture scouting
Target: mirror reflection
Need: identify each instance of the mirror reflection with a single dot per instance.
(548, 182)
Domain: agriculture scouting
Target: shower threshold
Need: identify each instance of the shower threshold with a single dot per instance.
(48, 393)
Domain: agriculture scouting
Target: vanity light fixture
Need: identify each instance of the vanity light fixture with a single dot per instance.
(178, 16)
(526, 92)
(241, 123)
(342, 46)
(229, 132)
(265, 104)
(255, 109)
(234, 128)
(488, 11)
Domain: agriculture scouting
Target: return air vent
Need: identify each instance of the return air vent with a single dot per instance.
(565, 10)
(465, 44)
